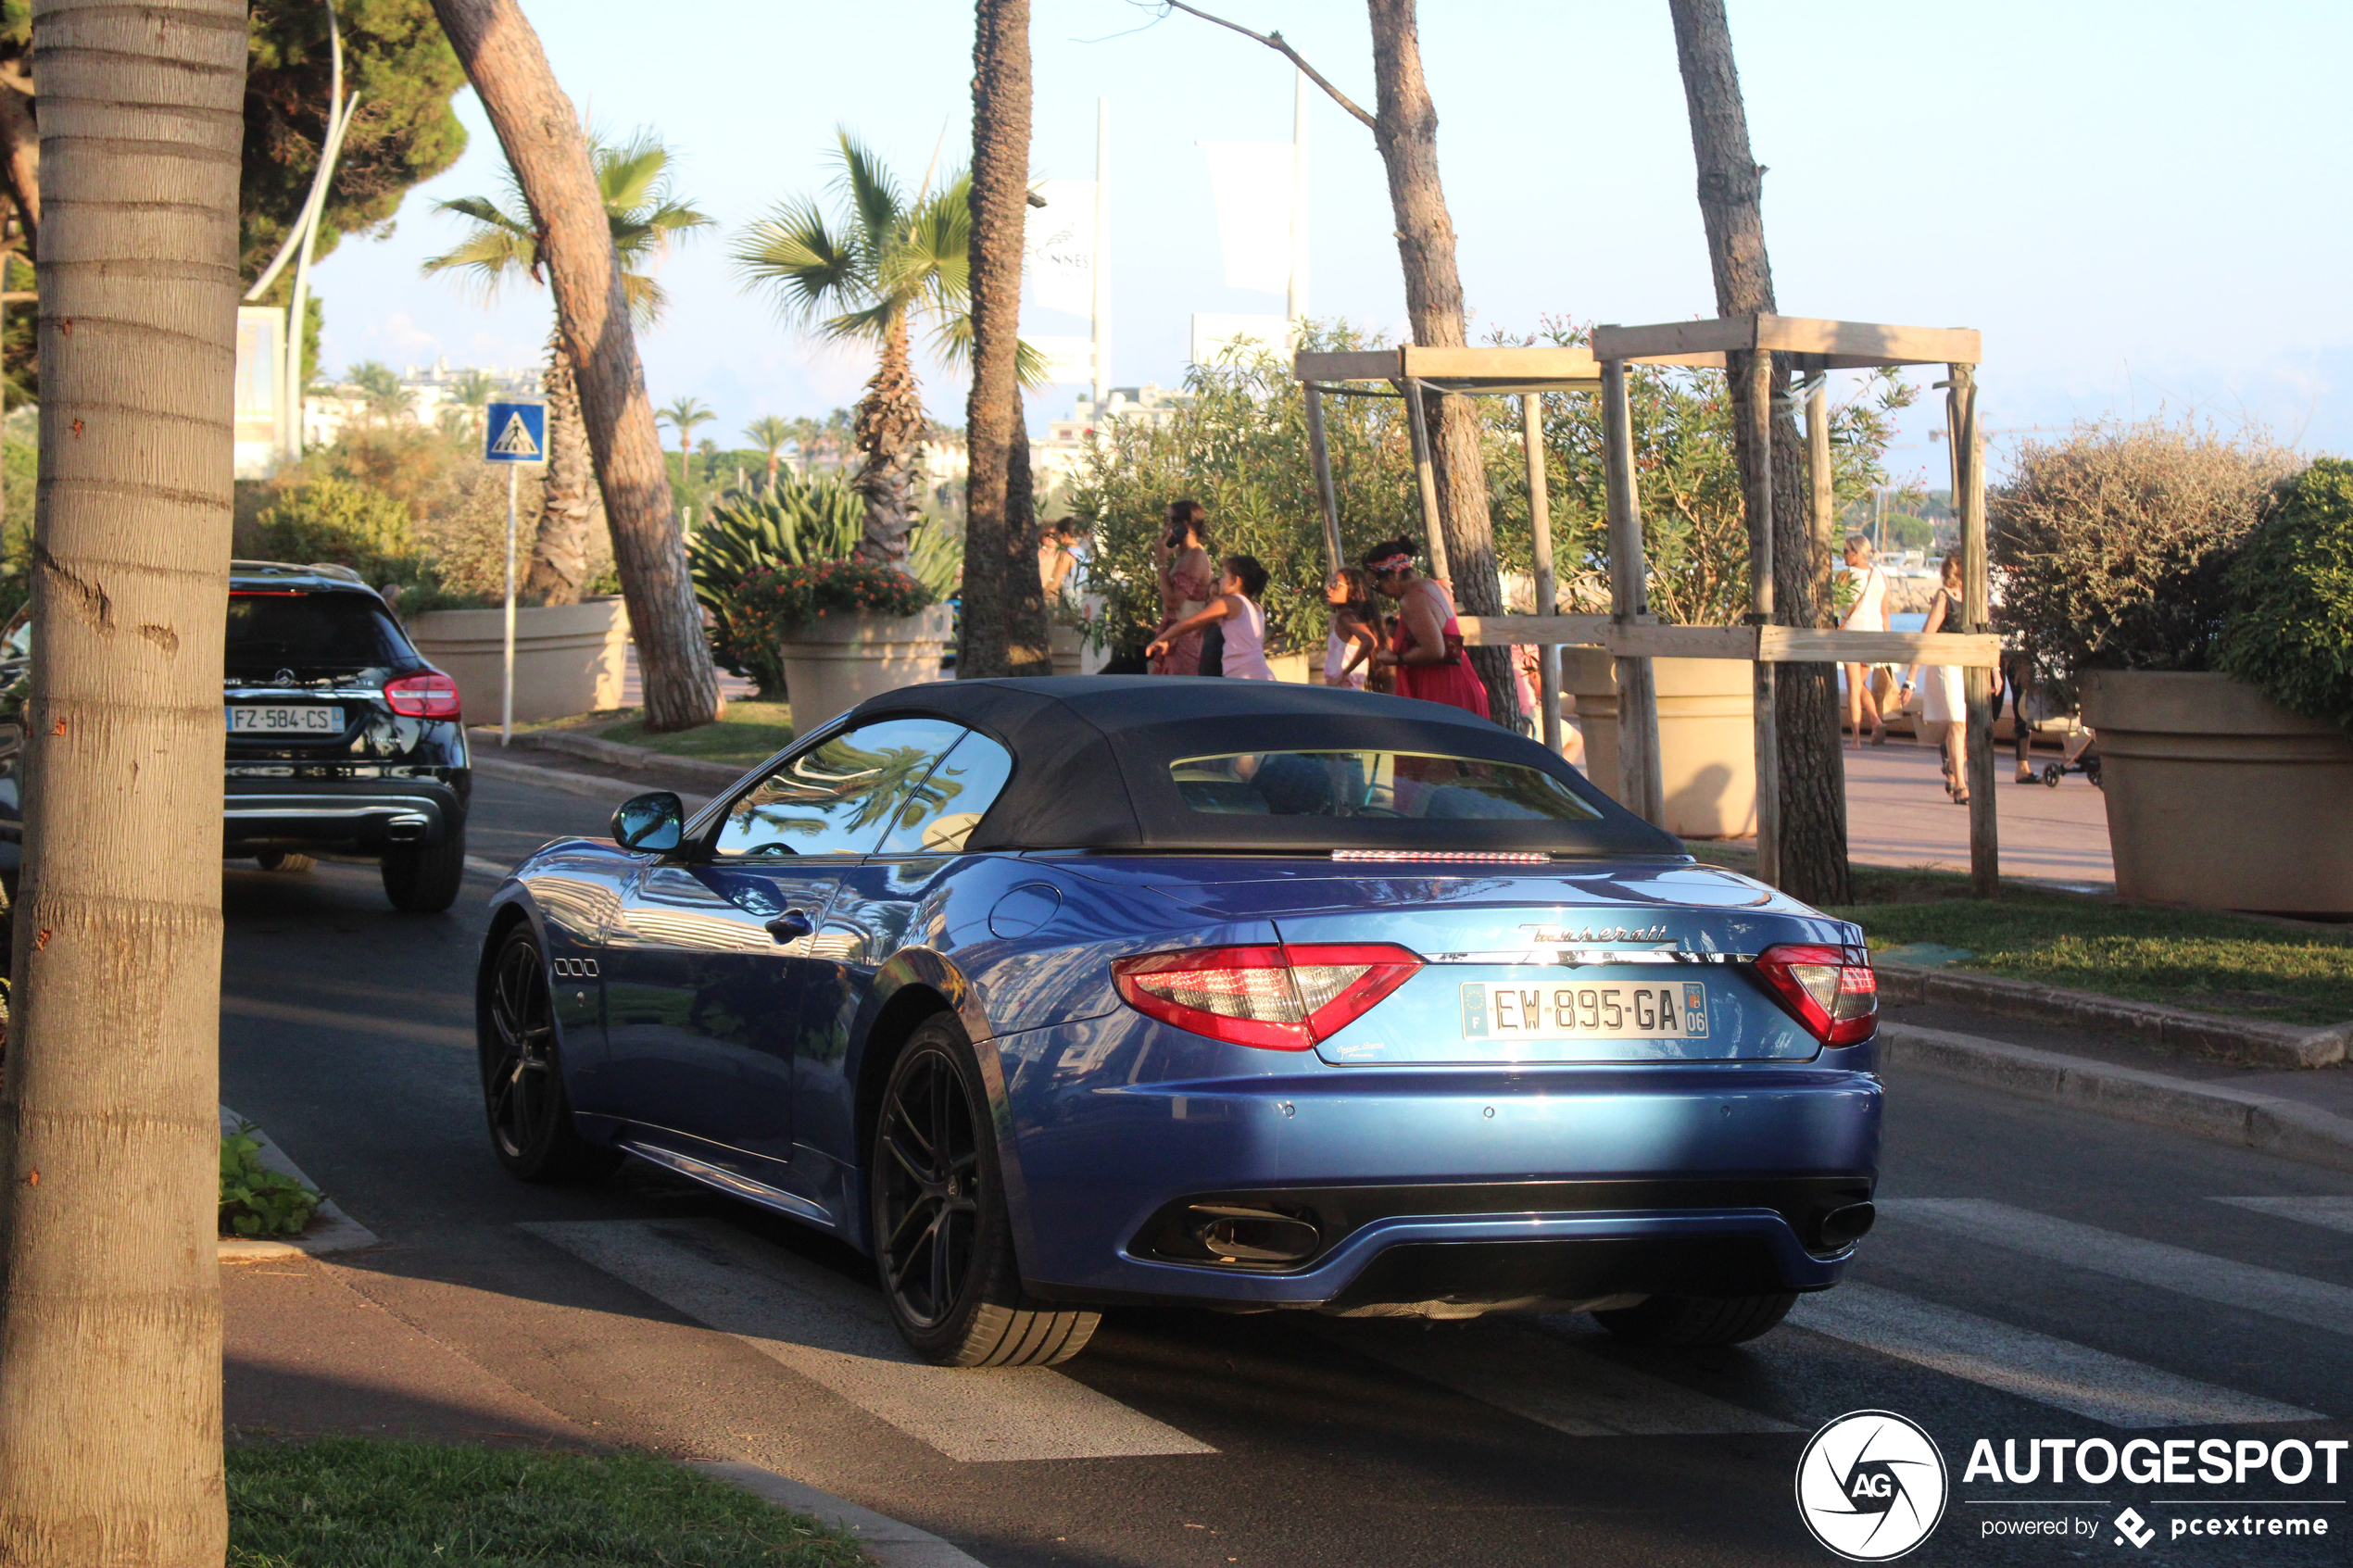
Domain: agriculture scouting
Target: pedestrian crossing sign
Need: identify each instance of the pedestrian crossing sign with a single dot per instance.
(515, 432)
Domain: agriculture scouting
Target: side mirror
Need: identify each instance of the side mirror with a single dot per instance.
(656, 821)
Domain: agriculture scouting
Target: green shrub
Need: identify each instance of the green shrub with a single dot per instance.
(776, 601)
(339, 520)
(2290, 630)
(256, 1201)
(2113, 546)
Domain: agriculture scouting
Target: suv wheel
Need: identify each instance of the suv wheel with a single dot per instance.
(943, 1240)
(286, 860)
(522, 1080)
(421, 879)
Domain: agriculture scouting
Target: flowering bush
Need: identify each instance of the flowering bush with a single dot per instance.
(773, 603)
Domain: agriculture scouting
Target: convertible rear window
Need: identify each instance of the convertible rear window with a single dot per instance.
(1413, 786)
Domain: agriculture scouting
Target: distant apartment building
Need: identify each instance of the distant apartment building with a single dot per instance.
(1060, 457)
(427, 393)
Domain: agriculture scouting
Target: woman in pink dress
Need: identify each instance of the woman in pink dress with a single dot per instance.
(1188, 581)
(1234, 623)
(1427, 651)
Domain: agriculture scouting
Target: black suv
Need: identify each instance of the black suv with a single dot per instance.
(341, 736)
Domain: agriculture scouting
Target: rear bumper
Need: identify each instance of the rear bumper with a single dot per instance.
(357, 813)
(1494, 1185)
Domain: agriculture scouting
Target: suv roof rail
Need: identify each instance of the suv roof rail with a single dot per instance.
(327, 568)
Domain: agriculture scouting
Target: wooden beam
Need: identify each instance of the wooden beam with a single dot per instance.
(1756, 367)
(1425, 480)
(1498, 364)
(1539, 519)
(1505, 630)
(1641, 779)
(1370, 364)
(1838, 344)
(1799, 644)
(1969, 492)
(1667, 339)
(1775, 644)
(1320, 455)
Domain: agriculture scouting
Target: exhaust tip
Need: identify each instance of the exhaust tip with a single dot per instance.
(1252, 1235)
(1842, 1228)
(406, 828)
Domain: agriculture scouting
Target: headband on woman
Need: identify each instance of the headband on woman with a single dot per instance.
(1388, 564)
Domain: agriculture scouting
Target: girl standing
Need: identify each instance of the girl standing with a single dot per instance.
(1354, 638)
(1427, 654)
(1942, 708)
(1867, 613)
(1235, 614)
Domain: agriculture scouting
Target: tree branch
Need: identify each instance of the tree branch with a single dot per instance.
(1274, 41)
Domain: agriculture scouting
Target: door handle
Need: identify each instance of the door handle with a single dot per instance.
(792, 924)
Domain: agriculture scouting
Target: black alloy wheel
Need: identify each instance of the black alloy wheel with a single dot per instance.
(943, 1240)
(523, 1086)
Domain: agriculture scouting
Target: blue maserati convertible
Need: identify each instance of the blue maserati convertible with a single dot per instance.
(1052, 995)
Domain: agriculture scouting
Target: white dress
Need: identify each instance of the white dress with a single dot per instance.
(1336, 652)
(1246, 643)
(1941, 700)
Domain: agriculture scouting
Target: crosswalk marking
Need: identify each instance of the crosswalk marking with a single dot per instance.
(2245, 1285)
(1545, 1379)
(838, 1334)
(2332, 1213)
(2019, 1360)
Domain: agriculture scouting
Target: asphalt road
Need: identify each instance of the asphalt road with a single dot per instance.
(2041, 1275)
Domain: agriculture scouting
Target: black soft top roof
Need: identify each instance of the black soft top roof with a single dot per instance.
(1092, 754)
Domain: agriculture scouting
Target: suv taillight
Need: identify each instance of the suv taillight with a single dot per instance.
(1275, 998)
(430, 695)
(1829, 990)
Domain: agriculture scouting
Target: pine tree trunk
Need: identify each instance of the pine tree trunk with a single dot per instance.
(890, 431)
(540, 133)
(1812, 775)
(1004, 631)
(110, 1132)
(574, 511)
(1406, 128)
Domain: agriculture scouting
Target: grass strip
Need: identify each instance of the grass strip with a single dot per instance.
(349, 1502)
(749, 732)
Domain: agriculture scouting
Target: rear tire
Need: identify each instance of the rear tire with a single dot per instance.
(523, 1081)
(943, 1238)
(1697, 1319)
(423, 880)
(286, 860)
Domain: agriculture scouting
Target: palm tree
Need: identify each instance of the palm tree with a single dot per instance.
(385, 396)
(685, 415)
(869, 271)
(634, 181)
(771, 435)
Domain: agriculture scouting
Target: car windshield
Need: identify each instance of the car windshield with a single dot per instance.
(310, 633)
(1420, 786)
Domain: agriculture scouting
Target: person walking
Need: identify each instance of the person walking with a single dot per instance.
(1866, 612)
(1943, 709)
(1427, 654)
(1057, 559)
(1355, 637)
(1188, 581)
(1231, 628)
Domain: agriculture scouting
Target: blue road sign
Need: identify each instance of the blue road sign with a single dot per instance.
(515, 432)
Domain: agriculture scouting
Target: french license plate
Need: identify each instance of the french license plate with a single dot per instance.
(287, 718)
(1501, 1010)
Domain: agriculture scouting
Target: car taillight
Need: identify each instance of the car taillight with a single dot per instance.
(1279, 999)
(1829, 990)
(430, 695)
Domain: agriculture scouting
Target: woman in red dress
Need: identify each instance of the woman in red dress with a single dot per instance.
(1427, 654)
(1188, 581)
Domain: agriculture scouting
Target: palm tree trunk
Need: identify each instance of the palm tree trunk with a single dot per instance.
(890, 430)
(540, 133)
(1407, 128)
(109, 1130)
(573, 509)
(1004, 622)
(1812, 773)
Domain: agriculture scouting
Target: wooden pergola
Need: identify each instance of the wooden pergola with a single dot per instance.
(1629, 632)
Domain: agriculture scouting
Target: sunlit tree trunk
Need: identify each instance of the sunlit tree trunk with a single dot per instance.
(890, 431)
(540, 133)
(110, 1136)
(1004, 622)
(573, 511)
(1813, 835)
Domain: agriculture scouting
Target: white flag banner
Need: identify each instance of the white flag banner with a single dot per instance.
(1254, 184)
(1059, 238)
(1067, 359)
(1215, 335)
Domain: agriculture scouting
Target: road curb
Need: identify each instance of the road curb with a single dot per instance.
(2249, 1042)
(891, 1542)
(2215, 1112)
(331, 1231)
(571, 743)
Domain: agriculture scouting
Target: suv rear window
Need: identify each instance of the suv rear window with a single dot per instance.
(1416, 786)
(311, 634)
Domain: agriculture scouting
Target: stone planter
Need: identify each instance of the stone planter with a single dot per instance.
(569, 658)
(2217, 797)
(1706, 737)
(838, 662)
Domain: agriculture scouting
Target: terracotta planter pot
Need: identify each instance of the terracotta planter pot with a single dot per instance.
(2219, 798)
(838, 662)
(1706, 737)
(569, 658)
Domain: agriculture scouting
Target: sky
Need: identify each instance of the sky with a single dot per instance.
(2132, 201)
